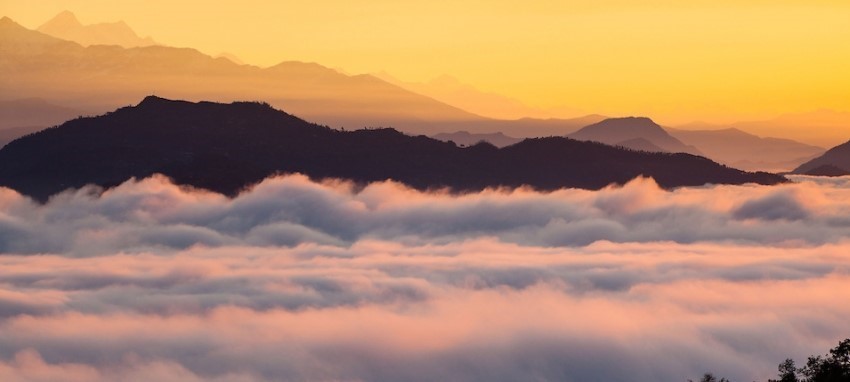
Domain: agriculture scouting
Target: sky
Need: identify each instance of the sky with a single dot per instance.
(715, 61)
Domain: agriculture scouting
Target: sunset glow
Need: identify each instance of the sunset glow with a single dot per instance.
(715, 61)
(394, 191)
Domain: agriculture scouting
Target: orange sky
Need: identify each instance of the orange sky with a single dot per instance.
(716, 61)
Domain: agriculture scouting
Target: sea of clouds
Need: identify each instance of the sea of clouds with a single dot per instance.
(313, 281)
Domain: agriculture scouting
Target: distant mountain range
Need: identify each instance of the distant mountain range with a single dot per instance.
(731, 147)
(835, 162)
(640, 134)
(101, 78)
(66, 26)
(637, 133)
(746, 151)
(227, 147)
(98, 78)
(824, 128)
(104, 77)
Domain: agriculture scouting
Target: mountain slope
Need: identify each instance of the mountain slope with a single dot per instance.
(837, 157)
(827, 170)
(739, 149)
(226, 147)
(617, 131)
(66, 26)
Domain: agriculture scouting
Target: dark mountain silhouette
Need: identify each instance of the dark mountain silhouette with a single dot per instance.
(625, 131)
(10, 134)
(103, 77)
(827, 170)
(743, 150)
(838, 157)
(226, 147)
(466, 138)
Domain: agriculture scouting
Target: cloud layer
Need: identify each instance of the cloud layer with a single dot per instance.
(297, 280)
(286, 211)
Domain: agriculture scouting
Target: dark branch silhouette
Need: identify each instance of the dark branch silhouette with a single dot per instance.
(832, 367)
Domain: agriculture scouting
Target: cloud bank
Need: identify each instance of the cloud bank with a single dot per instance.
(286, 211)
(304, 281)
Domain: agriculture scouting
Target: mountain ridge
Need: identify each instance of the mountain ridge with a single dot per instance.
(740, 149)
(227, 147)
(821, 127)
(617, 131)
(66, 26)
(837, 157)
(101, 78)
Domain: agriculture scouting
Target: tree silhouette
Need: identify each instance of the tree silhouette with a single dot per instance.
(709, 377)
(787, 372)
(833, 367)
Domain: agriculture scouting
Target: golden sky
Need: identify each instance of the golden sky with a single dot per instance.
(677, 61)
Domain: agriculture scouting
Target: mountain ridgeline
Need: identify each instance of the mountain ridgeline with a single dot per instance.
(638, 133)
(228, 147)
(97, 78)
(746, 151)
(66, 26)
(835, 162)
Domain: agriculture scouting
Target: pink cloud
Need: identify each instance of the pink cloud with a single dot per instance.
(296, 280)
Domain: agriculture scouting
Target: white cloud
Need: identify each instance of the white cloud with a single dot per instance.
(296, 280)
